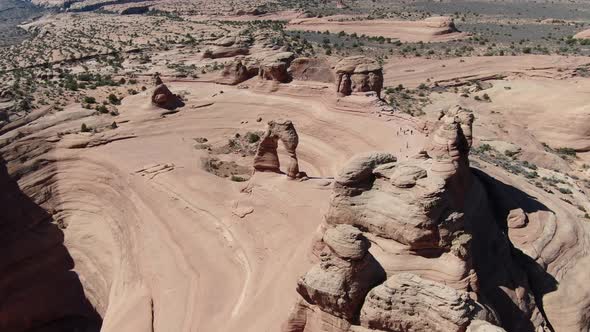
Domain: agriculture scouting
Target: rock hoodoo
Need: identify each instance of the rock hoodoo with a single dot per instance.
(438, 260)
(358, 74)
(164, 98)
(267, 159)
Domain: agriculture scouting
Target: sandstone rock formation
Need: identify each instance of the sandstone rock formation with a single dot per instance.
(358, 74)
(311, 69)
(407, 302)
(583, 34)
(447, 263)
(444, 24)
(225, 52)
(238, 71)
(267, 159)
(164, 98)
(346, 272)
(274, 68)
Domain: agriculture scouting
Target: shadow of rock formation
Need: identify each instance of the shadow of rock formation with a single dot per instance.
(40, 292)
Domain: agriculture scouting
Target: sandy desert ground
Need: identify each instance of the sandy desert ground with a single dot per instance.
(133, 149)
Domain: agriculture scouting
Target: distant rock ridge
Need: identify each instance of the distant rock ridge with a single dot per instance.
(411, 245)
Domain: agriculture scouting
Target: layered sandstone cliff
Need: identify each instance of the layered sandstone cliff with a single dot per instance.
(415, 245)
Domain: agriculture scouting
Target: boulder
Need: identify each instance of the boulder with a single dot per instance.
(346, 242)
(517, 218)
(164, 98)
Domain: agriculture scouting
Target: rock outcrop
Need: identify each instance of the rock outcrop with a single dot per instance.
(443, 24)
(240, 70)
(164, 98)
(267, 159)
(407, 302)
(439, 261)
(274, 68)
(358, 74)
(225, 52)
(346, 272)
(311, 69)
(583, 34)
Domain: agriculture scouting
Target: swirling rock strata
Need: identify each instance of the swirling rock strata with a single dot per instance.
(406, 302)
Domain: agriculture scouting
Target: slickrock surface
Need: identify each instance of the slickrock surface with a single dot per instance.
(583, 35)
(428, 30)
